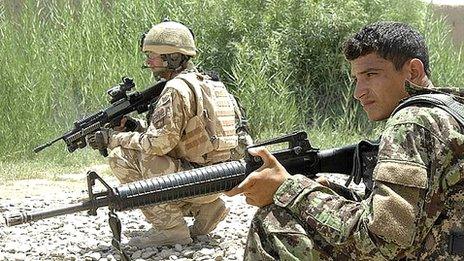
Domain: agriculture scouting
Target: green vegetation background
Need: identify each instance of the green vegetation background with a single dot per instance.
(281, 57)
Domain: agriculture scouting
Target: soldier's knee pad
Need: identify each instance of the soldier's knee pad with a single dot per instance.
(153, 165)
(122, 158)
(123, 164)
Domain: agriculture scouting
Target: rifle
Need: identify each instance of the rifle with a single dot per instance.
(356, 160)
(122, 104)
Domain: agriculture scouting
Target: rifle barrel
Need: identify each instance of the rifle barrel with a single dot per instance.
(26, 217)
(48, 144)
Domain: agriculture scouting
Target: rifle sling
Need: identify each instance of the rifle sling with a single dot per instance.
(442, 101)
(115, 225)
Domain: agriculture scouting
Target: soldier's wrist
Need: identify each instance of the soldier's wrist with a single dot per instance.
(290, 189)
(113, 141)
(141, 125)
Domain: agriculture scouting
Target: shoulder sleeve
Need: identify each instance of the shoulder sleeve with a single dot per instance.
(394, 220)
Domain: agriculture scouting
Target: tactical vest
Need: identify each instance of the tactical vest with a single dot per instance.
(210, 135)
(448, 231)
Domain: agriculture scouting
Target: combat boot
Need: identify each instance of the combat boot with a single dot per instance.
(207, 217)
(154, 237)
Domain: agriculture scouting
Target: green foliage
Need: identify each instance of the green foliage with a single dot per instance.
(259, 85)
(446, 60)
(282, 58)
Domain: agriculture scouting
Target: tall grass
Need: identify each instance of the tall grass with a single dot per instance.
(282, 58)
(446, 60)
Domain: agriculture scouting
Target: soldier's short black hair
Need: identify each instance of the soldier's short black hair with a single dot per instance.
(393, 41)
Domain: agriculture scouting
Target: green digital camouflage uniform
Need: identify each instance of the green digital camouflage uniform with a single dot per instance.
(417, 201)
(153, 151)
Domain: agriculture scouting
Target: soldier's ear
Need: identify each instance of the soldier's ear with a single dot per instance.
(416, 71)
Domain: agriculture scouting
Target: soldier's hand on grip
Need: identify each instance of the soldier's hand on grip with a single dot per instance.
(128, 124)
(259, 187)
(99, 140)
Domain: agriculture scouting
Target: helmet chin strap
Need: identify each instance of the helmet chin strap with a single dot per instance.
(170, 73)
(170, 65)
(146, 66)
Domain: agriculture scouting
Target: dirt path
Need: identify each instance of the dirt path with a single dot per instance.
(83, 237)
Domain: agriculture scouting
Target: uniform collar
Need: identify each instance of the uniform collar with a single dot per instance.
(414, 89)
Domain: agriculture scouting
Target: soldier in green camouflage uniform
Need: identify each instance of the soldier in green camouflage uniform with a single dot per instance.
(416, 209)
(195, 122)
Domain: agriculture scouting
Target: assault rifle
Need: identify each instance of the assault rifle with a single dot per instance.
(122, 104)
(299, 157)
(356, 160)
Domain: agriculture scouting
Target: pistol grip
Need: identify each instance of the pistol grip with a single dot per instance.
(104, 152)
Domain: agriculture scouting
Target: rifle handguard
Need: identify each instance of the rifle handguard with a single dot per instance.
(181, 185)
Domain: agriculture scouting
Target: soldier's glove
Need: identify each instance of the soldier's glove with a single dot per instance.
(99, 140)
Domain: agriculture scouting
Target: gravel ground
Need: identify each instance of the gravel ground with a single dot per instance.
(82, 237)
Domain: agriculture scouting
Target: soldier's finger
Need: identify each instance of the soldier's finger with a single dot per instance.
(247, 182)
(122, 124)
(250, 201)
(268, 159)
(243, 186)
(233, 192)
(323, 181)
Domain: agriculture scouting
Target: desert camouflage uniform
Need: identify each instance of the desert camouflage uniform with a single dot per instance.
(416, 204)
(162, 148)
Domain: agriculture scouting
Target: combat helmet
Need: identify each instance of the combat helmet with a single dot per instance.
(169, 37)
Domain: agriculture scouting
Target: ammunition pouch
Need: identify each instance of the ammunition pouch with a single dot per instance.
(196, 141)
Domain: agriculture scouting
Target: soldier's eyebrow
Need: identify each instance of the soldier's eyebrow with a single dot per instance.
(372, 69)
(368, 70)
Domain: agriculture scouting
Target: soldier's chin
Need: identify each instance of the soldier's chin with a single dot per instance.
(156, 72)
(376, 116)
